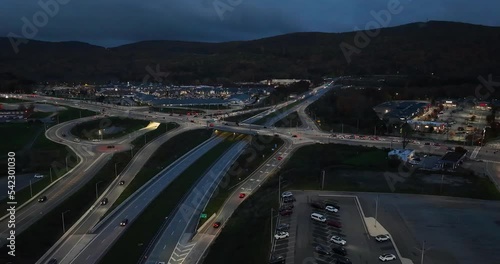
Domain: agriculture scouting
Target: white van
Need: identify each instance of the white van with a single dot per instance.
(318, 217)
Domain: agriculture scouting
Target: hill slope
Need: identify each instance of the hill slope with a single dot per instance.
(443, 48)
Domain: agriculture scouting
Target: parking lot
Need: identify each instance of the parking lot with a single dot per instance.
(305, 234)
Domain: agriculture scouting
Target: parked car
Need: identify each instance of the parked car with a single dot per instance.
(289, 200)
(327, 203)
(286, 207)
(318, 217)
(283, 227)
(330, 208)
(42, 199)
(334, 223)
(382, 238)
(286, 212)
(322, 250)
(387, 257)
(343, 261)
(281, 235)
(339, 250)
(286, 194)
(338, 240)
(124, 222)
(277, 260)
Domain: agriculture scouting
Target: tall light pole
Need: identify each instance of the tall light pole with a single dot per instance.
(63, 225)
(66, 159)
(376, 211)
(31, 190)
(423, 249)
(97, 191)
(272, 215)
(322, 179)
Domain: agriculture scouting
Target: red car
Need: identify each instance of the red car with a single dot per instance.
(242, 195)
(216, 224)
(286, 212)
(334, 223)
(280, 158)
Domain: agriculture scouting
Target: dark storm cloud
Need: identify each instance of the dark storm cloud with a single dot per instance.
(114, 22)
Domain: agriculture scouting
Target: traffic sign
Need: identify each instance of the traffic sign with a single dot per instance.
(203, 216)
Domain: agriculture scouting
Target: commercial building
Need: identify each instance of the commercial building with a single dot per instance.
(403, 155)
(452, 160)
(394, 112)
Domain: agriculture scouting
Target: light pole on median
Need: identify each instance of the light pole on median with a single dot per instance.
(66, 159)
(31, 190)
(96, 190)
(376, 211)
(63, 225)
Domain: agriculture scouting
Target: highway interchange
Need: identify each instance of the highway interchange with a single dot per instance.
(87, 243)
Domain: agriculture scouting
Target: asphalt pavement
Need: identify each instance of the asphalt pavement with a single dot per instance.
(170, 245)
(95, 245)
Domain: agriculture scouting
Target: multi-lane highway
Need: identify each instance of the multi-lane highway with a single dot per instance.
(92, 246)
(181, 225)
(95, 213)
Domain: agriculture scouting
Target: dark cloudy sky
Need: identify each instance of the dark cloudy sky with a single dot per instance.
(115, 22)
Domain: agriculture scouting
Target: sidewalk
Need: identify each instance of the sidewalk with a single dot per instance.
(375, 229)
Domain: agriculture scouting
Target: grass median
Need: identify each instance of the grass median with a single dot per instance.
(139, 234)
(92, 129)
(165, 155)
(276, 113)
(261, 148)
(73, 113)
(291, 120)
(240, 118)
(250, 221)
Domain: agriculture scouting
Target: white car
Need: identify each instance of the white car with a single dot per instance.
(38, 176)
(338, 240)
(330, 208)
(382, 238)
(286, 194)
(387, 257)
(281, 235)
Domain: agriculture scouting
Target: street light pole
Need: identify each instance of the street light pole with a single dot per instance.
(66, 159)
(323, 179)
(63, 225)
(272, 227)
(376, 211)
(31, 190)
(97, 191)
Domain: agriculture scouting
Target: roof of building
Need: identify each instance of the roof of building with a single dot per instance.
(400, 109)
(452, 156)
(402, 154)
